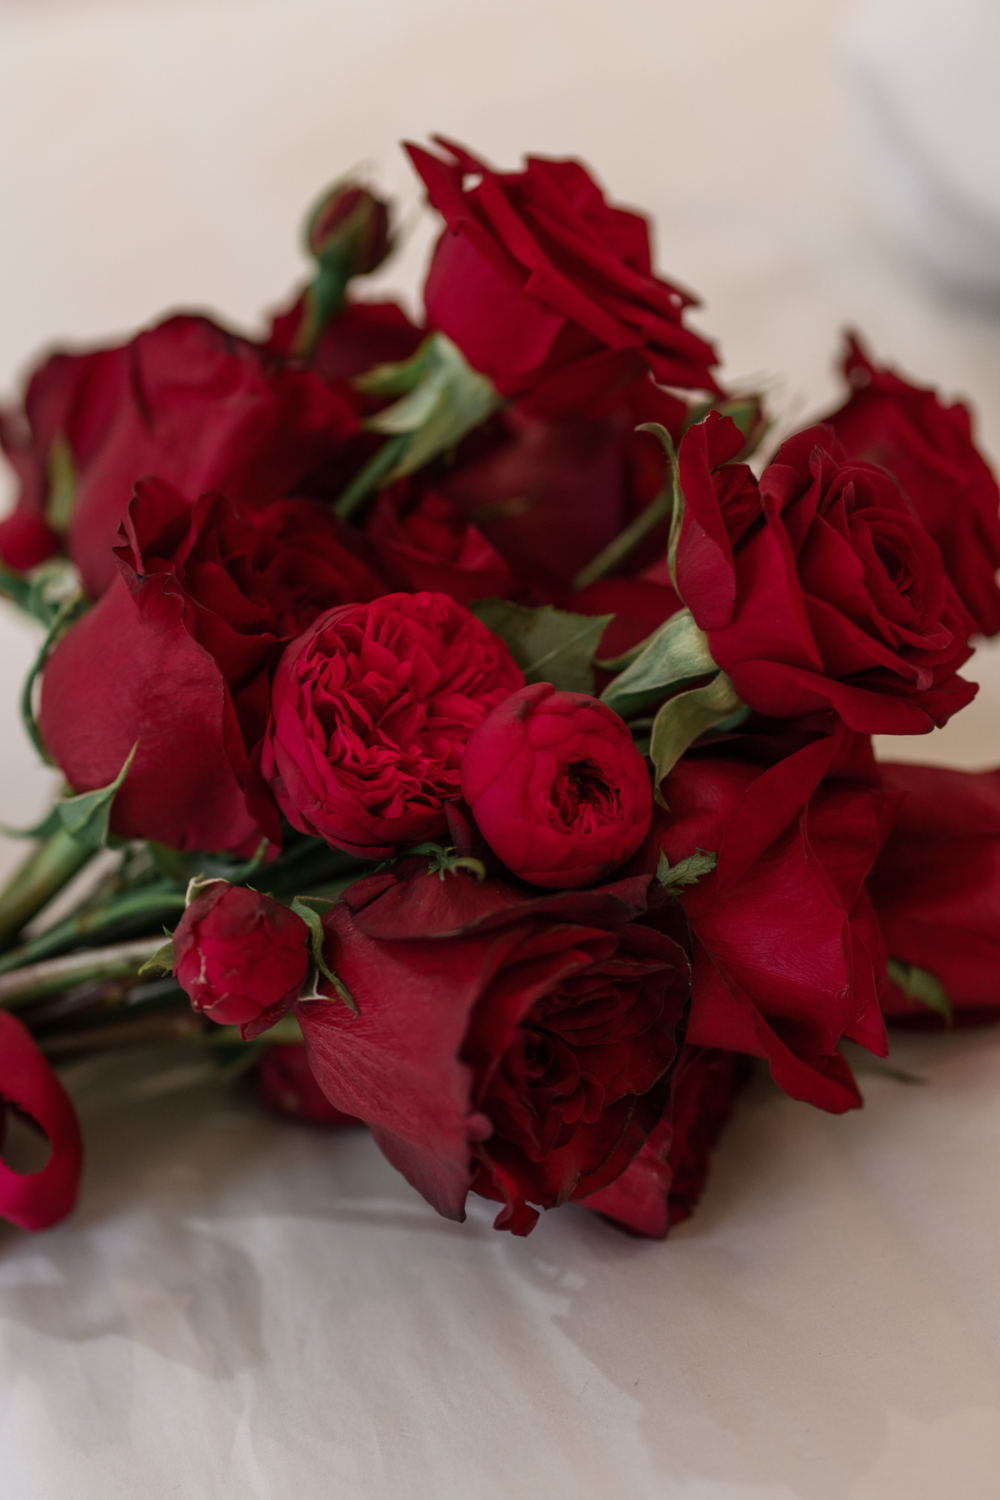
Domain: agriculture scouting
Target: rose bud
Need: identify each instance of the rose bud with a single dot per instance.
(241, 957)
(557, 787)
(347, 234)
(371, 710)
(285, 1083)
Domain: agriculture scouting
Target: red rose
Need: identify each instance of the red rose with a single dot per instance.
(818, 588)
(285, 1083)
(936, 884)
(185, 400)
(787, 956)
(35, 1200)
(550, 495)
(664, 1182)
(176, 657)
(930, 450)
(362, 335)
(549, 290)
(514, 1045)
(371, 710)
(425, 540)
(240, 957)
(557, 787)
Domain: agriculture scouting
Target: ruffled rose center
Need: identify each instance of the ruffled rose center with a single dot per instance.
(582, 799)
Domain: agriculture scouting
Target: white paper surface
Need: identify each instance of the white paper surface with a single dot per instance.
(247, 1308)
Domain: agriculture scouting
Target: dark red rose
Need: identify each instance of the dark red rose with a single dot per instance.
(176, 656)
(557, 787)
(787, 953)
(510, 1044)
(240, 957)
(665, 1180)
(371, 710)
(26, 541)
(551, 495)
(285, 1083)
(936, 884)
(930, 449)
(425, 540)
(818, 588)
(186, 401)
(35, 1200)
(352, 223)
(549, 290)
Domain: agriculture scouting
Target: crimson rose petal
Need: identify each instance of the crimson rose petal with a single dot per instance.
(36, 1200)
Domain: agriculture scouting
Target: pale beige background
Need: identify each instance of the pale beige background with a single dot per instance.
(242, 1308)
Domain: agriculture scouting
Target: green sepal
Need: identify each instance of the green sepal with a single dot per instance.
(548, 644)
(676, 494)
(682, 719)
(686, 871)
(676, 652)
(85, 817)
(920, 985)
(162, 961)
(748, 414)
(305, 907)
(441, 399)
(68, 609)
(445, 860)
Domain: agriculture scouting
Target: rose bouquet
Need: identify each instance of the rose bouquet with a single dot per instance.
(468, 731)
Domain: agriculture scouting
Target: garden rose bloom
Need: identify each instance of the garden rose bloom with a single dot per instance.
(176, 656)
(35, 1200)
(662, 1185)
(426, 540)
(513, 1045)
(371, 710)
(557, 787)
(936, 884)
(549, 290)
(930, 450)
(818, 588)
(185, 400)
(240, 957)
(788, 957)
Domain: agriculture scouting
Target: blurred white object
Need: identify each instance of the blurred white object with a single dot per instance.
(924, 77)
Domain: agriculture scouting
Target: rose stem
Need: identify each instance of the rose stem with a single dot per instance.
(45, 871)
(620, 546)
(39, 980)
(84, 926)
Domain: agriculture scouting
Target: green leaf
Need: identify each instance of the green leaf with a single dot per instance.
(548, 644)
(441, 399)
(43, 591)
(676, 652)
(922, 986)
(162, 961)
(686, 871)
(305, 907)
(445, 860)
(682, 719)
(85, 818)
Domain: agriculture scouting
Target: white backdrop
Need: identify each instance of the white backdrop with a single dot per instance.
(246, 1308)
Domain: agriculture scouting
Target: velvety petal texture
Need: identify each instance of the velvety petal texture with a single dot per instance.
(175, 659)
(185, 400)
(36, 1200)
(514, 1044)
(557, 787)
(931, 451)
(240, 957)
(371, 710)
(936, 885)
(546, 288)
(819, 588)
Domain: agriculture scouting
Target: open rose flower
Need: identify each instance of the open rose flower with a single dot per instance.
(936, 885)
(818, 588)
(371, 710)
(511, 1045)
(662, 1185)
(176, 658)
(930, 449)
(788, 957)
(557, 787)
(240, 957)
(35, 1200)
(549, 290)
(185, 400)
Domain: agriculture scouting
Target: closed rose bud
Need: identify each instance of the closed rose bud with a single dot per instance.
(353, 224)
(241, 957)
(557, 787)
